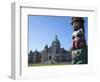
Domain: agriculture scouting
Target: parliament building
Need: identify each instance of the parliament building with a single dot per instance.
(50, 55)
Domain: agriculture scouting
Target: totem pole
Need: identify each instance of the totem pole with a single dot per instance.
(79, 46)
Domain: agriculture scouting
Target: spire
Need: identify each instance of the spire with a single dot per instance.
(46, 46)
(56, 38)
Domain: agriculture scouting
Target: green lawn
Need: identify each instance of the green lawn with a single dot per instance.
(48, 64)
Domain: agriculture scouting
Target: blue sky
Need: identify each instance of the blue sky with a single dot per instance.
(42, 31)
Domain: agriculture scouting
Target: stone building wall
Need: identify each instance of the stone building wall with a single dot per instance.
(50, 55)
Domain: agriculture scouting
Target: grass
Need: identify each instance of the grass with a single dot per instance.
(48, 64)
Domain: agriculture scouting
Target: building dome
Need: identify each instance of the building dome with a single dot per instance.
(56, 42)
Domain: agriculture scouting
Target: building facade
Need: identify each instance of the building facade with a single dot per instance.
(50, 55)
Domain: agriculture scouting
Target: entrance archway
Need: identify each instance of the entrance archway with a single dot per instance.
(50, 58)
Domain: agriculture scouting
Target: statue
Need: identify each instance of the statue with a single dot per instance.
(79, 46)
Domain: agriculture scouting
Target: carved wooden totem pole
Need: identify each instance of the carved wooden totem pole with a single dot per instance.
(79, 46)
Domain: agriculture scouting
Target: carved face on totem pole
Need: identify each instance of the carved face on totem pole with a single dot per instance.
(78, 33)
(77, 23)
